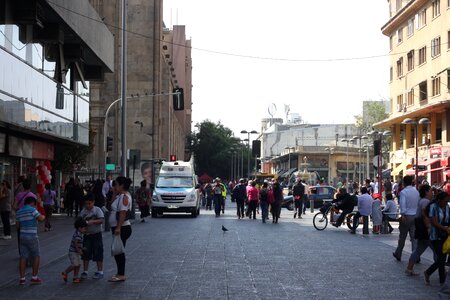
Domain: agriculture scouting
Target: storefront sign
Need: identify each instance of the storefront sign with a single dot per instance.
(435, 152)
(30, 149)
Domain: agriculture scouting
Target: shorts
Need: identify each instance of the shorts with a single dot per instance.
(75, 259)
(29, 248)
(93, 244)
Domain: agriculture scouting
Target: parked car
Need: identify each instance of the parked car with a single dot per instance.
(288, 202)
(320, 193)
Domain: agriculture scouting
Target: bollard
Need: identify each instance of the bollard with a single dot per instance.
(311, 205)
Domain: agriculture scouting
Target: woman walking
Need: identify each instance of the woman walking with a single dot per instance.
(264, 201)
(5, 208)
(119, 221)
(49, 202)
(276, 205)
(144, 200)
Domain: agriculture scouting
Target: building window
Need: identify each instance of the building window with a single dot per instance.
(411, 60)
(390, 42)
(422, 55)
(391, 74)
(421, 19)
(436, 86)
(399, 36)
(410, 100)
(400, 67)
(436, 8)
(398, 5)
(423, 91)
(411, 26)
(400, 102)
(436, 47)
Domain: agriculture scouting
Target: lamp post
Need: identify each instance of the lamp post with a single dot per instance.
(359, 137)
(346, 172)
(330, 151)
(422, 121)
(248, 153)
(378, 136)
(289, 156)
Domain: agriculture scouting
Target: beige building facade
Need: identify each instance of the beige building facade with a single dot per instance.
(158, 60)
(419, 37)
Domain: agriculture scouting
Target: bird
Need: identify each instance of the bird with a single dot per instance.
(224, 229)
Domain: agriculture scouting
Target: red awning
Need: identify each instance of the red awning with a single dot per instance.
(434, 170)
(428, 161)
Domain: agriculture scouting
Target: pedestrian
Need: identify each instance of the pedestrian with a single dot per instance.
(276, 205)
(409, 200)
(390, 211)
(49, 199)
(239, 195)
(306, 195)
(439, 216)
(422, 223)
(144, 200)
(298, 191)
(147, 172)
(97, 191)
(264, 201)
(26, 223)
(344, 203)
(93, 240)
(120, 223)
(253, 199)
(5, 208)
(78, 194)
(19, 201)
(69, 196)
(224, 196)
(377, 215)
(209, 194)
(364, 210)
(217, 190)
(75, 251)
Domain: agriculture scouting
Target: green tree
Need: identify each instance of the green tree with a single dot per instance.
(375, 111)
(213, 146)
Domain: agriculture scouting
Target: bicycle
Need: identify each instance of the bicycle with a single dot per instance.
(320, 220)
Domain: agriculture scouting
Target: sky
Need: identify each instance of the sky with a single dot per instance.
(321, 58)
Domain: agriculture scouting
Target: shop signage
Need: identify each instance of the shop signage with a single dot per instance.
(436, 152)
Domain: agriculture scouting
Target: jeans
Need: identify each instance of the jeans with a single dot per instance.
(240, 205)
(365, 222)
(342, 216)
(48, 215)
(5, 221)
(252, 208)
(422, 245)
(298, 207)
(264, 210)
(439, 261)
(125, 233)
(406, 226)
(217, 204)
(276, 209)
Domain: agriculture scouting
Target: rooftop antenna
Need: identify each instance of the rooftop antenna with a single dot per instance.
(272, 109)
(287, 109)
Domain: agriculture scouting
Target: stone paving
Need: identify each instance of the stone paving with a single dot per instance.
(179, 257)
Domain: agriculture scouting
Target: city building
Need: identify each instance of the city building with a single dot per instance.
(50, 51)
(419, 37)
(159, 61)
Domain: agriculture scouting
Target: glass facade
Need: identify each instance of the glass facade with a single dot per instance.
(31, 98)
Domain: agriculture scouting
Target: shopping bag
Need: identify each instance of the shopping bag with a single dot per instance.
(446, 246)
(117, 246)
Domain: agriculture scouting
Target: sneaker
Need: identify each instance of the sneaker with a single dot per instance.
(84, 275)
(76, 280)
(426, 278)
(98, 275)
(64, 276)
(295, 215)
(6, 237)
(36, 280)
(22, 281)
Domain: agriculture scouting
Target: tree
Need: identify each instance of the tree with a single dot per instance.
(374, 112)
(213, 146)
(67, 157)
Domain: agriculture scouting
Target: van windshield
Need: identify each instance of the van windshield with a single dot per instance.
(174, 182)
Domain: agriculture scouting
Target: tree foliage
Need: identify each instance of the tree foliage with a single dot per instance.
(213, 147)
(375, 111)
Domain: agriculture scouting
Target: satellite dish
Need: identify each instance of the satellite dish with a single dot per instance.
(272, 109)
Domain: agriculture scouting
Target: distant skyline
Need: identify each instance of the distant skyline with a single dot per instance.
(322, 58)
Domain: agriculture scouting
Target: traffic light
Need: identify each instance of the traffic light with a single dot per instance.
(256, 148)
(377, 147)
(173, 157)
(258, 164)
(109, 143)
(178, 99)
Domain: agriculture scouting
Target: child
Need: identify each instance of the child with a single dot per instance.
(75, 250)
(28, 242)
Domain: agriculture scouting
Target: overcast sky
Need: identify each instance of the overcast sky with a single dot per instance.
(323, 58)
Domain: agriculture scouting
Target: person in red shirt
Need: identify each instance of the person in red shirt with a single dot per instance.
(253, 199)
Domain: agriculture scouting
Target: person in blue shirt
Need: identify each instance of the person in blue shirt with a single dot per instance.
(26, 223)
(364, 210)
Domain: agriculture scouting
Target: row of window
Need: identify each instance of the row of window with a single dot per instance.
(404, 101)
(419, 20)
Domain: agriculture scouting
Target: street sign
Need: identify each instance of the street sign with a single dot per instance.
(110, 167)
(376, 162)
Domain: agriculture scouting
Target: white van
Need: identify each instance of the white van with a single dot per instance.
(176, 189)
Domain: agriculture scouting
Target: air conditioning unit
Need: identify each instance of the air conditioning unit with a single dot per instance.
(404, 108)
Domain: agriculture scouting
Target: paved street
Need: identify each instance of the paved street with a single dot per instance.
(178, 257)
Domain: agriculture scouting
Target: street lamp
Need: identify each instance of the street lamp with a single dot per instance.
(354, 138)
(330, 151)
(346, 172)
(422, 121)
(248, 153)
(289, 156)
(378, 136)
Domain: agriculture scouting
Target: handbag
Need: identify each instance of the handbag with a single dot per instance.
(128, 214)
(446, 246)
(117, 246)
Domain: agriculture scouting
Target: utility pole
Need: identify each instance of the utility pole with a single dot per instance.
(123, 165)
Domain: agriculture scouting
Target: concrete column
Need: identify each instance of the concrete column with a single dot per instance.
(407, 137)
(433, 128)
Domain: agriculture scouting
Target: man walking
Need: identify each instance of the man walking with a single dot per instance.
(239, 195)
(409, 200)
(217, 189)
(298, 191)
(364, 210)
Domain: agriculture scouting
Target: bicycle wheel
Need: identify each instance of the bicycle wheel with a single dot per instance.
(349, 220)
(320, 221)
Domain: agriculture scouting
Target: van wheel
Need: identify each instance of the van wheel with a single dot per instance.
(198, 211)
(194, 213)
(154, 213)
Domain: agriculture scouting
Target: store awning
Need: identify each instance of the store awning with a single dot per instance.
(428, 161)
(401, 167)
(434, 170)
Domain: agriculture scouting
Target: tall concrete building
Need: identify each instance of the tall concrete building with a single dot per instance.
(49, 52)
(419, 37)
(159, 60)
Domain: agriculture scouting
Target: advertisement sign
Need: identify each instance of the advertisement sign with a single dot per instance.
(436, 152)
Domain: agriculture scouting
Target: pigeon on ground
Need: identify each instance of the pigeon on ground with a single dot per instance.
(224, 229)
